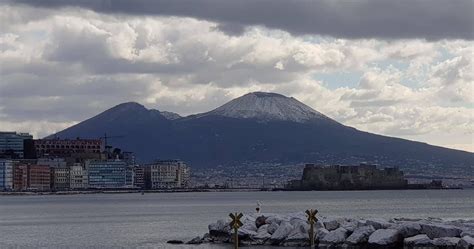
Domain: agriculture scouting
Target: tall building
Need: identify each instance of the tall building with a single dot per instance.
(139, 180)
(65, 148)
(31, 177)
(61, 178)
(20, 177)
(12, 144)
(78, 177)
(166, 174)
(110, 174)
(6, 174)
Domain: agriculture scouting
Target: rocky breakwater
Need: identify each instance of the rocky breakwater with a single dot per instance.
(292, 230)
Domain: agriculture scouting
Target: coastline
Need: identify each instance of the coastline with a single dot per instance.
(129, 191)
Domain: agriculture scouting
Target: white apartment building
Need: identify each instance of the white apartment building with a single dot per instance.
(167, 174)
(78, 177)
(6, 174)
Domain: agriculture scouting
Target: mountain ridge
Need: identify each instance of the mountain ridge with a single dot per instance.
(234, 133)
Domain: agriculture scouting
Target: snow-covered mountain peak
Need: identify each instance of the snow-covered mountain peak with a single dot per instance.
(268, 106)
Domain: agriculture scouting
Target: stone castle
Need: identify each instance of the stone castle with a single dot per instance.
(337, 177)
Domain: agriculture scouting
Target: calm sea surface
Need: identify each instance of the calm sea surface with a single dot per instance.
(148, 221)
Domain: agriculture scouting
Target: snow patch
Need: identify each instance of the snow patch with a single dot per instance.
(268, 106)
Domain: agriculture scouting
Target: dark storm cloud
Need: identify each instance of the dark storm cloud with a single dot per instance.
(436, 19)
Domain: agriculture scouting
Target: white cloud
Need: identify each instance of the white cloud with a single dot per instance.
(455, 78)
(60, 68)
(38, 128)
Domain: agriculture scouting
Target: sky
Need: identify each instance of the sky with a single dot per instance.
(397, 68)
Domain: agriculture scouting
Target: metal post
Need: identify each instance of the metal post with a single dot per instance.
(236, 238)
(236, 224)
(311, 220)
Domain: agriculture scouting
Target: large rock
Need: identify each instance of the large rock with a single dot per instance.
(272, 227)
(302, 227)
(195, 241)
(378, 223)
(319, 224)
(320, 233)
(263, 228)
(281, 233)
(418, 240)
(466, 242)
(249, 226)
(384, 237)
(219, 229)
(446, 242)
(331, 224)
(274, 219)
(467, 233)
(409, 229)
(262, 235)
(335, 236)
(260, 221)
(349, 225)
(297, 239)
(440, 230)
(360, 235)
(361, 223)
(297, 215)
(207, 238)
(245, 233)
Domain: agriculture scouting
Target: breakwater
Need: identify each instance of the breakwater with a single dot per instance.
(292, 230)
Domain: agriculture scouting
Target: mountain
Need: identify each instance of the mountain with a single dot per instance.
(258, 127)
(267, 107)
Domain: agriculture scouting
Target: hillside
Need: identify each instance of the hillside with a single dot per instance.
(258, 127)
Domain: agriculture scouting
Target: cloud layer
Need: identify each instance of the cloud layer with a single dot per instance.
(61, 67)
(437, 19)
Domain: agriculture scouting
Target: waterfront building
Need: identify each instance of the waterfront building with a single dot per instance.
(31, 177)
(6, 174)
(78, 177)
(166, 174)
(66, 148)
(110, 174)
(39, 177)
(61, 178)
(337, 177)
(20, 177)
(12, 144)
(139, 180)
